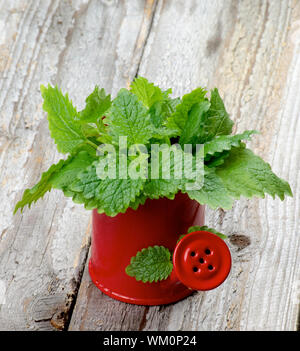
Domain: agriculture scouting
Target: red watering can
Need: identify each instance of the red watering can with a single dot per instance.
(201, 260)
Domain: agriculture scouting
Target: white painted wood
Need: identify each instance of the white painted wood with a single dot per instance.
(75, 44)
(250, 51)
(97, 311)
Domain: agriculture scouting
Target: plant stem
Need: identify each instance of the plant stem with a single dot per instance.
(92, 144)
(100, 130)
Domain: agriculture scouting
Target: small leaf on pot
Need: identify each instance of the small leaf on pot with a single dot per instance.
(151, 264)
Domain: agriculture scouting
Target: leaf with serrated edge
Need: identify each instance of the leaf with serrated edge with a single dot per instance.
(206, 229)
(87, 183)
(162, 187)
(216, 159)
(42, 187)
(58, 176)
(146, 92)
(64, 128)
(178, 119)
(112, 195)
(213, 193)
(115, 195)
(226, 142)
(244, 173)
(128, 117)
(69, 172)
(197, 228)
(97, 103)
(157, 188)
(160, 112)
(139, 200)
(216, 121)
(151, 264)
(193, 124)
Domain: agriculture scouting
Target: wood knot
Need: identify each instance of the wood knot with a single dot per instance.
(58, 321)
(239, 240)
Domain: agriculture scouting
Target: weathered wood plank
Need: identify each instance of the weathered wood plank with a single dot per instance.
(75, 44)
(250, 50)
(96, 311)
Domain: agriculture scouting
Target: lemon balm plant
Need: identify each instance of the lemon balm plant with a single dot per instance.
(146, 115)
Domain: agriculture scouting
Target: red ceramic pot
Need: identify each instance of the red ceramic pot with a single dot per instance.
(116, 239)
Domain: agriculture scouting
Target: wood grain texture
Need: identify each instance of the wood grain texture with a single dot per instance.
(75, 44)
(96, 311)
(250, 51)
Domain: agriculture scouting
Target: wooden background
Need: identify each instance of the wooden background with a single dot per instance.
(250, 50)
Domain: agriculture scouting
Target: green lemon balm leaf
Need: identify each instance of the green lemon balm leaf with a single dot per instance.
(58, 176)
(157, 188)
(216, 159)
(226, 142)
(217, 121)
(89, 131)
(157, 114)
(162, 187)
(116, 195)
(213, 192)
(87, 183)
(178, 119)
(96, 105)
(69, 172)
(89, 204)
(62, 117)
(139, 200)
(112, 195)
(244, 173)
(146, 92)
(160, 105)
(151, 265)
(128, 117)
(170, 105)
(192, 126)
(206, 229)
(42, 187)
